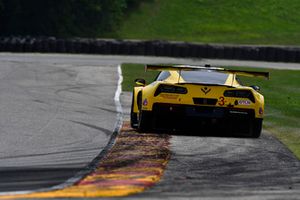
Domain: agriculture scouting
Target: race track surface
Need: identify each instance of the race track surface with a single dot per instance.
(232, 167)
(56, 117)
(58, 114)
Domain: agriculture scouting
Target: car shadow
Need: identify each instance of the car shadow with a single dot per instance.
(202, 131)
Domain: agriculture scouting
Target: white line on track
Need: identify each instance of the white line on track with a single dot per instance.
(117, 99)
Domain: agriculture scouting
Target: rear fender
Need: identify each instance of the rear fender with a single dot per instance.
(260, 104)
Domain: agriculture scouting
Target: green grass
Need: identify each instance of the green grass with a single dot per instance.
(218, 21)
(282, 98)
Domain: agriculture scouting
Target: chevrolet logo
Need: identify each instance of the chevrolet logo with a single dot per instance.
(205, 90)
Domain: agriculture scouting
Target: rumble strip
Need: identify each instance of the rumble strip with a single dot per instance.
(135, 163)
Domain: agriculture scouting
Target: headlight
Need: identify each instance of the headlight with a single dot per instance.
(170, 89)
(240, 94)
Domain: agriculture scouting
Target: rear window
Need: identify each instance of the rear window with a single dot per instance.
(209, 77)
(163, 75)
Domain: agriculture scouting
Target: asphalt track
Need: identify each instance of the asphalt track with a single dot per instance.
(56, 116)
(58, 113)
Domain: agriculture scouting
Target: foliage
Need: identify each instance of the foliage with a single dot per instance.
(61, 17)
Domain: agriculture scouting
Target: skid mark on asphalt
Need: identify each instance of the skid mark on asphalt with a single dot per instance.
(135, 163)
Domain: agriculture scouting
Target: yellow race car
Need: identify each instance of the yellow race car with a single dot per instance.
(184, 97)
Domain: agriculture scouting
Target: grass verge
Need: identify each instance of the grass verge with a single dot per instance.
(282, 96)
(218, 21)
(132, 71)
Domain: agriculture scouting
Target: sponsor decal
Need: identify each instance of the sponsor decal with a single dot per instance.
(244, 102)
(145, 102)
(169, 96)
(205, 90)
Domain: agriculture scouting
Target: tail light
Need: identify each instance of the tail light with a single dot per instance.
(240, 94)
(170, 89)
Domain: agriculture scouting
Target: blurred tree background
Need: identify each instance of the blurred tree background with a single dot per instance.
(62, 18)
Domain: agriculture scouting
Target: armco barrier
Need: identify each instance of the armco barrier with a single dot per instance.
(149, 48)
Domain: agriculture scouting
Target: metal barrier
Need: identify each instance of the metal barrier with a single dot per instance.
(149, 48)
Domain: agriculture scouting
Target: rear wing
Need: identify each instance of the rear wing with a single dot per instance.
(207, 67)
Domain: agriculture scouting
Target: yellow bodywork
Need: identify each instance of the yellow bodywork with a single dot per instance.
(197, 91)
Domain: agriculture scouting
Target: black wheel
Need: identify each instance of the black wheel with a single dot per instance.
(133, 120)
(133, 115)
(145, 121)
(256, 127)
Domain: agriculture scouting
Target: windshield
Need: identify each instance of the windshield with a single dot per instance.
(209, 77)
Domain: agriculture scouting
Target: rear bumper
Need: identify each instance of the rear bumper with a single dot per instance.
(201, 111)
(183, 117)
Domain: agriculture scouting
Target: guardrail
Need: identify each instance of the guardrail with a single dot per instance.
(150, 48)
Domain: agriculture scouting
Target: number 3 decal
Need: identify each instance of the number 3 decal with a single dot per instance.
(221, 101)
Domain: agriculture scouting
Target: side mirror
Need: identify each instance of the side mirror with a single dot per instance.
(140, 82)
(255, 87)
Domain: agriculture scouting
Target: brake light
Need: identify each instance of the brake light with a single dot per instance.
(170, 89)
(240, 94)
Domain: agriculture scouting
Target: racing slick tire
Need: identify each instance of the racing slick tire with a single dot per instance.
(133, 115)
(145, 121)
(256, 128)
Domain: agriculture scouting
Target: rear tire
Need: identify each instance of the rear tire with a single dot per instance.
(256, 128)
(133, 115)
(145, 121)
(133, 120)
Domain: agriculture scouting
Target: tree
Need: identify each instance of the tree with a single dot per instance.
(61, 18)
